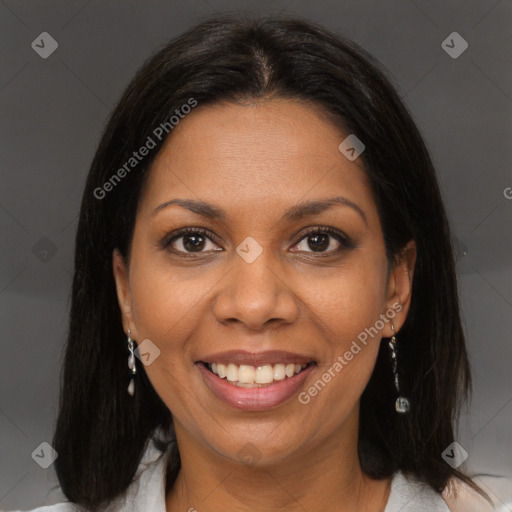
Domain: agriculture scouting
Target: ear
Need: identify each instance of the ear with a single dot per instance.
(399, 289)
(124, 295)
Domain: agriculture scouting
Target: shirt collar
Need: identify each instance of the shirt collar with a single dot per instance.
(147, 489)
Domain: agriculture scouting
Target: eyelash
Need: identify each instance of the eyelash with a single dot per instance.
(345, 242)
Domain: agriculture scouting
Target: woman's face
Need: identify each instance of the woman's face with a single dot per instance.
(263, 277)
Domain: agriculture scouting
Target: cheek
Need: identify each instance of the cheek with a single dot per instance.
(348, 309)
(165, 298)
(166, 310)
(350, 300)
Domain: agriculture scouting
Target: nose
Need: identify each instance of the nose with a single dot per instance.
(255, 294)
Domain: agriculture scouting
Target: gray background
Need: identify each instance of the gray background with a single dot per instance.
(53, 111)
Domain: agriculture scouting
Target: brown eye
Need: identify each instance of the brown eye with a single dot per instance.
(190, 240)
(320, 240)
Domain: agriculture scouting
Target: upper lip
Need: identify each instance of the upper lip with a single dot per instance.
(256, 358)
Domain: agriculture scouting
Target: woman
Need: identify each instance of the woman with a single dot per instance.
(264, 308)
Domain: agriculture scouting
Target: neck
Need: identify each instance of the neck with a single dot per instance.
(325, 477)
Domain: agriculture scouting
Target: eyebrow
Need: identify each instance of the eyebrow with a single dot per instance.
(293, 214)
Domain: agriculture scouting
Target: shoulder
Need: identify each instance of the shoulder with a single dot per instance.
(147, 489)
(460, 497)
(59, 507)
(409, 494)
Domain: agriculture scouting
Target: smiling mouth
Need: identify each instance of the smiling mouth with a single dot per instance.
(248, 376)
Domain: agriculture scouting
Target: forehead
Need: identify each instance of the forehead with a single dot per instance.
(266, 153)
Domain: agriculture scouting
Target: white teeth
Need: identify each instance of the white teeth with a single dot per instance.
(250, 376)
(264, 374)
(245, 374)
(232, 373)
(290, 370)
(279, 372)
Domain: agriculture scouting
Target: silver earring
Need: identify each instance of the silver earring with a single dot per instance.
(402, 404)
(131, 365)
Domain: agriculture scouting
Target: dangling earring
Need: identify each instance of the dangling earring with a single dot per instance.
(402, 404)
(131, 365)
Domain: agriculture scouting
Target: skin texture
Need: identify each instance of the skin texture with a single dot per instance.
(254, 161)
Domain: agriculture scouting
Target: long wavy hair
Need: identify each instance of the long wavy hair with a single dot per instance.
(101, 432)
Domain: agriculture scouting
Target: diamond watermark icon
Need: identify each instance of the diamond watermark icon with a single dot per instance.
(44, 455)
(454, 45)
(454, 455)
(351, 147)
(44, 249)
(147, 352)
(249, 249)
(249, 454)
(44, 45)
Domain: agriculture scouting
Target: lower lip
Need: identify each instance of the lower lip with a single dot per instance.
(254, 399)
